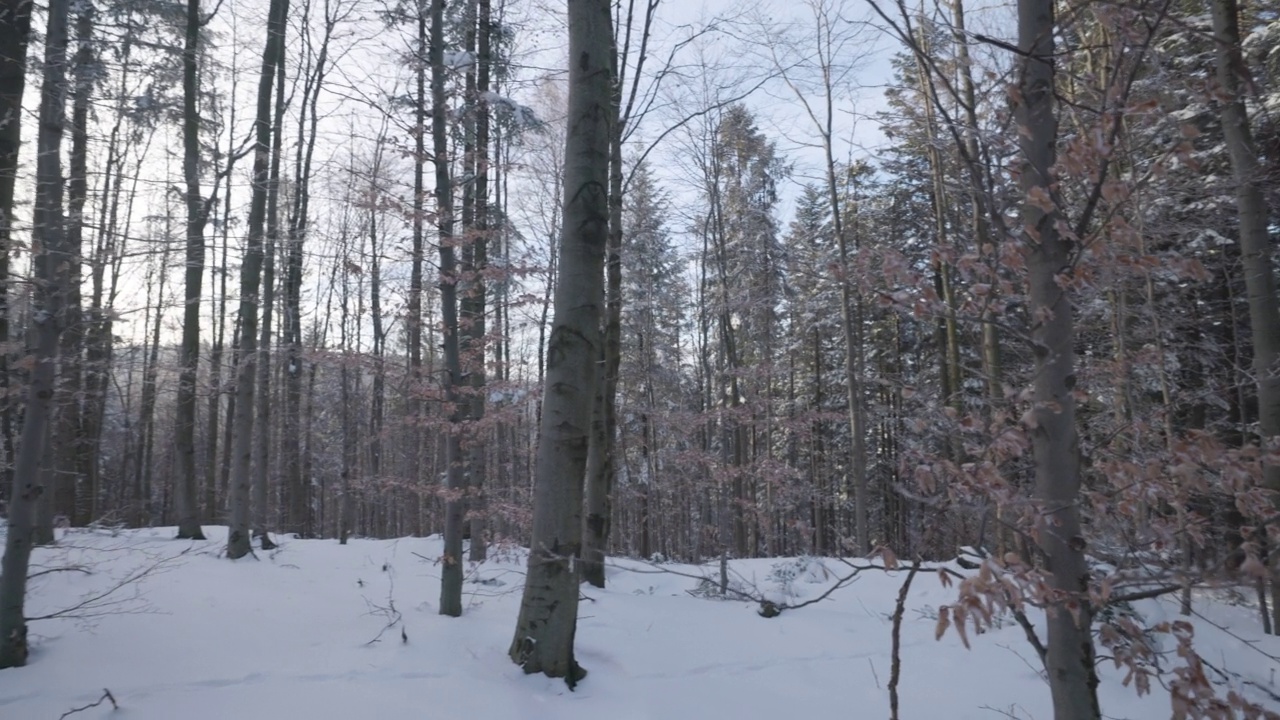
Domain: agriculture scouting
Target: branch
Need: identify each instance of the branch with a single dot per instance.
(106, 695)
(94, 604)
(895, 662)
(1032, 638)
(1144, 594)
(50, 571)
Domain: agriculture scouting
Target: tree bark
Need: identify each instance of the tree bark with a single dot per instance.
(15, 33)
(414, 321)
(1069, 662)
(601, 471)
(477, 460)
(545, 629)
(185, 499)
(1256, 248)
(262, 438)
(49, 244)
(65, 479)
(297, 488)
(455, 480)
(238, 537)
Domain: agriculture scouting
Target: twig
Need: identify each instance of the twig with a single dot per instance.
(1021, 618)
(1144, 594)
(1228, 674)
(106, 695)
(50, 571)
(389, 611)
(895, 662)
(1007, 713)
(92, 605)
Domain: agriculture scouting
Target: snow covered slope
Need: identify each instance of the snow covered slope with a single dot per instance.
(313, 631)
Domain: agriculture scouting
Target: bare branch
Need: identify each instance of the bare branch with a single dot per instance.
(106, 696)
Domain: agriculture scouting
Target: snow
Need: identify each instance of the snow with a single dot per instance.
(458, 60)
(288, 635)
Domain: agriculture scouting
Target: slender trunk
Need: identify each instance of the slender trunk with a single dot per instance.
(977, 191)
(262, 438)
(238, 538)
(197, 216)
(378, 391)
(480, 261)
(414, 321)
(15, 33)
(948, 350)
(1069, 662)
(1256, 248)
(451, 573)
(108, 251)
(50, 268)
(66, 482)
(547, 623)
(146, 507)
(349, 427)
(601, 471)
(295, 480)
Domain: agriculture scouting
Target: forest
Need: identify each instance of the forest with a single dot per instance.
(908, 284)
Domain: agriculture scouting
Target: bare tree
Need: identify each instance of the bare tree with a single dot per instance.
(545, 630)
(238, 538)
(1256, 247)
(15, 31)
(48, 318)
(1069, 661)
(454, 519)
(198, 209)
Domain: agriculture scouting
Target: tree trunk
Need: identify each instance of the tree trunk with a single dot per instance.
(297, 489)
(601, 471)
(262, 438)
(1055, 444)
(414, 321)
(1256, 249)
(350, 436)
(15, 32)
(65, 480)
(186, 503)
(476, 463)
(454, 519)
(49, 243)
(146, 510)
(545, 630)
(238, 537)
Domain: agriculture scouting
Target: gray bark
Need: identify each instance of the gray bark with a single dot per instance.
(49, 243)
(1069, 662)
(15, 32)
(414, 320)
(262, 438)
(297, 489)
(476, 462)
(238, 538)
(1256, 249)
(545, 629)
(455, 481)
(185, 501)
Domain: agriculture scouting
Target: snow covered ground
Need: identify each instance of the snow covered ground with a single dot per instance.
(306, 632)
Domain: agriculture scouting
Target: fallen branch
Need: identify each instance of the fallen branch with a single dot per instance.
(895, 661)
(1228, 675)
(106, 695)
(50, 571)
(104, 602)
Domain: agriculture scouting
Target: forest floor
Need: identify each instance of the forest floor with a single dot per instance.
(317, 631)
